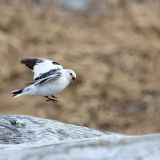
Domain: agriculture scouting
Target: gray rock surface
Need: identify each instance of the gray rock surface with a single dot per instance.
(74, 5)
(25, 137)
(85, 7)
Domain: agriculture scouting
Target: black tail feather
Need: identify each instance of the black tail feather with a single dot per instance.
(17, 92)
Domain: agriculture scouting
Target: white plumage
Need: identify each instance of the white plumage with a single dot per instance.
(44, 66)
(49, 78)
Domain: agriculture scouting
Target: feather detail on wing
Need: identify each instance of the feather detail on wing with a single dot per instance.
(43, 81)
(41, 66)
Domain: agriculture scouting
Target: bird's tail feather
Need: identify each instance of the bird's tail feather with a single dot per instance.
(17, 93)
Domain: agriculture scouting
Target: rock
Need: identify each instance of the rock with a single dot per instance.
(74, 5)
(85, 7)
(26, 137)
(27, 129)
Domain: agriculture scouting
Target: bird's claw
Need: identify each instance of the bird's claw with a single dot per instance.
(53, 99)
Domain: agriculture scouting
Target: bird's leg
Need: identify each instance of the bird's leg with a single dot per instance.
(51, 99)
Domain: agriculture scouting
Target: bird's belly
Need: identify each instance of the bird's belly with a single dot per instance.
(52, 88)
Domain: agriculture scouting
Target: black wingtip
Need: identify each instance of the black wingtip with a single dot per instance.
(30, 62)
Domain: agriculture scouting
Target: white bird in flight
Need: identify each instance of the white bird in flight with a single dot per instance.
(49, 78)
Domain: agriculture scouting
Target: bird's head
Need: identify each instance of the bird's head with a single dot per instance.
(71, 75)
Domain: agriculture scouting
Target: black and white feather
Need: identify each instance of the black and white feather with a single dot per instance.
(40, 66)
(49, 78)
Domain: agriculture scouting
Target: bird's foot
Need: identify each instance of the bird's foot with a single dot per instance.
(53, 99)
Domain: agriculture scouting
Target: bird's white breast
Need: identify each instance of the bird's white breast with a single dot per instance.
(53, 87)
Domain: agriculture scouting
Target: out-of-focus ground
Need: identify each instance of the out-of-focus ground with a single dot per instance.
(114, 47)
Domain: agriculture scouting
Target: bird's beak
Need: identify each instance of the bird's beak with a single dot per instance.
(73, 78)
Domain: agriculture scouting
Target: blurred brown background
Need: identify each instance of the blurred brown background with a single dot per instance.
(114, 47)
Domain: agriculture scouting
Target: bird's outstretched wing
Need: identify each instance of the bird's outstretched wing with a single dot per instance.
(41, 67)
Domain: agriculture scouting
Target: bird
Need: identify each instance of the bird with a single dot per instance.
(49, 79)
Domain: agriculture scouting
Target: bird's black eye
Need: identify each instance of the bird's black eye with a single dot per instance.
(71, 74)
